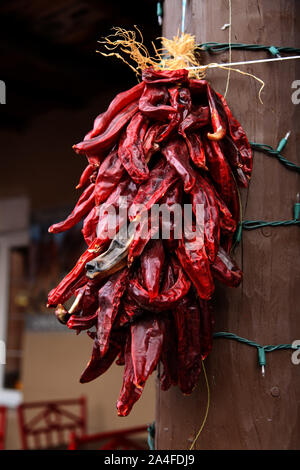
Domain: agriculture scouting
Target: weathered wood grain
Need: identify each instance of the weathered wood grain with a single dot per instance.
(245, 411)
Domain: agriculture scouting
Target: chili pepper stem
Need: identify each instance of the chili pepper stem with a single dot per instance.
(75, 303)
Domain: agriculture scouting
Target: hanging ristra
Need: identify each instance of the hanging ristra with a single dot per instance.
(142, 299)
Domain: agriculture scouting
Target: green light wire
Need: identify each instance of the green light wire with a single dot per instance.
(215, 47)
(255, 224)
(151, 436)
(262, 350)
(275, 153)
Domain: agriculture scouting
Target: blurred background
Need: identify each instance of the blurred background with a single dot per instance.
(56, 84)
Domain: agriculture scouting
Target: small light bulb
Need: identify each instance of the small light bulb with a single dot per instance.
(287, 135)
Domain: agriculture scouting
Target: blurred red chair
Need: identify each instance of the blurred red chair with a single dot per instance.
(2, 426)
(47, 425)
(123, 439)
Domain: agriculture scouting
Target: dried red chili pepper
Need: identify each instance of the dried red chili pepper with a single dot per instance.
(198, 88)
(196, 149)
(90, 134)
(105, 140)
(76, 278)
(89, 302)
(153, 103)
(165, 300)
(87, 173)
(110, 173)
(176, 153)
(201, 89)
(130, 393)
(232, 153)
(162, 77)
(169, 358)
(146, 344)
(82, 322)
(227, 223)
(121, 357)
(207, 323)
(121, 101)
(197, 118)
(94, 159)
(187, 319)
(146, 228)
(161, 178)
(66, 288)
(222, 176)
(150, 144)
(90, 225)
(109, 298)
(203, 195)
(196, 264)
(125, 189)
(85, 316)
(131, 309)
(152, 261)
(131, 152)
(218, 125)
(181, 101)
(225, 269)
(97, 364)
(240, 139)
(84, 205)
(169, 375)
(241, 178)
(171, 200)
(169, 276)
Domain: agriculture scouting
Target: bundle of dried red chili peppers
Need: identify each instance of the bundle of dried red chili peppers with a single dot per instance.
(145, 300)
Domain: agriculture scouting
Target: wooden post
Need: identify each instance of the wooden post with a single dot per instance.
(248, 411)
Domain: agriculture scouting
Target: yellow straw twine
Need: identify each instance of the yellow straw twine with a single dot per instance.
(129, 45)
(177, 53)
(206, 411)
